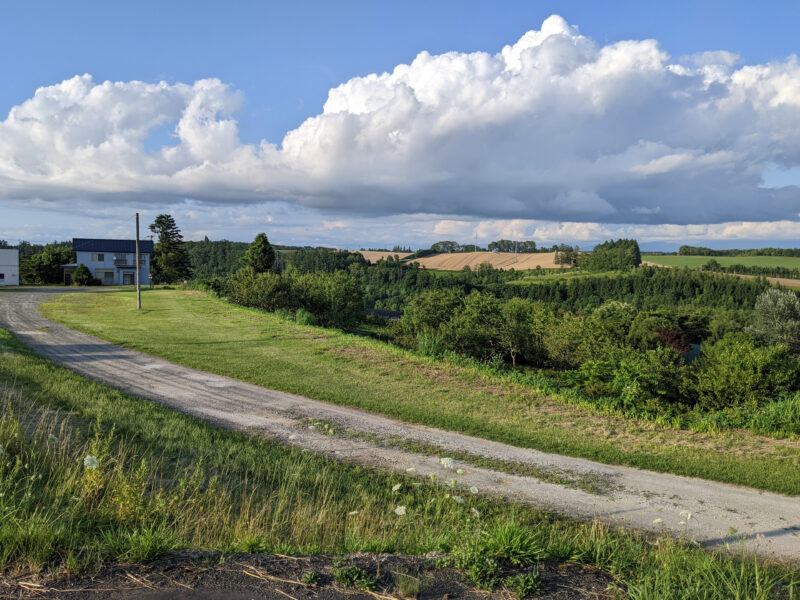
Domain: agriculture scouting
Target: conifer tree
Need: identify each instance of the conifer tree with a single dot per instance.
(260, 256)
(170, 261)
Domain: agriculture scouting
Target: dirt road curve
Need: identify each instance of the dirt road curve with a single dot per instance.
(711, 513)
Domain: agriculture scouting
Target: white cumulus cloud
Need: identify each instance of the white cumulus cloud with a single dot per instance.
(553, 127)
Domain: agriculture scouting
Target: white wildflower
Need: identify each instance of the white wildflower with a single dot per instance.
(458, 499)
(475, 512)
(473, 490)
(400, 510)
(352, 513)
(91, 463)
(686, 514)
(397, 487)
(447, 462)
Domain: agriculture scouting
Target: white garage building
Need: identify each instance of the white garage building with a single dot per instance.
(9, 266)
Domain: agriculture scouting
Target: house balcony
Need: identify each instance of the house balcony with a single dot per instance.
(122, 263)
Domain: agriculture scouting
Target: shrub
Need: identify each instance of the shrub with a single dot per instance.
(776, 319)
(81, 275)
(475, 329)
(303, 317)
(267, 291)
(641, 377)
(737, 371)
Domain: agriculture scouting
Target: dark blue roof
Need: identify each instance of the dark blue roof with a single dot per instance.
(94, 245)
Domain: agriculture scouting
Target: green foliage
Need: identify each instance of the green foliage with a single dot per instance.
(647, 288)
(312, 260)
(81, 275)
(523, 247)
(723, 322)
(331, 299)
(736, 371)
(303, 317)
(310, 578)
(485, 555)
(260, 256)
(776, 319)
(170, 261)
(215, 259)
(265, 291)
(474, 330)
(45, 266)
(525, 584)
(702, 251)
(521, 330)
(616, 255)
(348, 575)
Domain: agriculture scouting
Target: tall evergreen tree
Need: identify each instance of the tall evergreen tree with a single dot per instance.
(260, 255)
(170, 261)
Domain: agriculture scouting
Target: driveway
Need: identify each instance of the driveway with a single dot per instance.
(711, 513)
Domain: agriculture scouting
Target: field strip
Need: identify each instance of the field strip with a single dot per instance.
(773, 280)
(711, 513)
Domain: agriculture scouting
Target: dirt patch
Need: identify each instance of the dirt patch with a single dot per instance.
(212, 576)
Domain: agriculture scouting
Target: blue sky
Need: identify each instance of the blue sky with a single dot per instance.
(277, 63)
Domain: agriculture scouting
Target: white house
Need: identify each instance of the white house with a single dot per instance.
(113, 262)
(9, 266)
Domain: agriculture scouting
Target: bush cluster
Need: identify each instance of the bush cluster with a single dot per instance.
(617, 351)
(333, 299)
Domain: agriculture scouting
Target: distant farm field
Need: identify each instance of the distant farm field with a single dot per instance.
(372, 256)
(695, 262)
(498, 260)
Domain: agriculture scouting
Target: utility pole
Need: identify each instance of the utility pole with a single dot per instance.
(138, 283)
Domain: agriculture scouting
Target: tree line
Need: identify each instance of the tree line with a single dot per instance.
(703, 251)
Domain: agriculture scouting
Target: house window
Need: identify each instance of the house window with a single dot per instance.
(106, 276)
(98, 257)
(2, 275)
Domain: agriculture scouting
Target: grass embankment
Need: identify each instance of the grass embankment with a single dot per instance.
(194, 329)
(88, 474)
(695, 262)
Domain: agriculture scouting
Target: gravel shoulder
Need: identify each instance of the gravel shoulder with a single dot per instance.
(713, 514)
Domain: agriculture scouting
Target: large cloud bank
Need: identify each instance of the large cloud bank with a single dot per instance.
(553, 127)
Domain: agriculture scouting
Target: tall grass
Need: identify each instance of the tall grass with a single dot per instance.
(88, 474)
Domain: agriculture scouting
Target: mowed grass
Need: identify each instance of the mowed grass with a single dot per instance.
(695, 262)
(89, 474)
(206, 333)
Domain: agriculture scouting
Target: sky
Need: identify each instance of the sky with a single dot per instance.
(374, 124)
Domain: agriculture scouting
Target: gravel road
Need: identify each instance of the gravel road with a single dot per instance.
(711, 513)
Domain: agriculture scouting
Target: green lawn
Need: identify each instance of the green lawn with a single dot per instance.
(89, 474)
(695, 262)
(199, 331)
